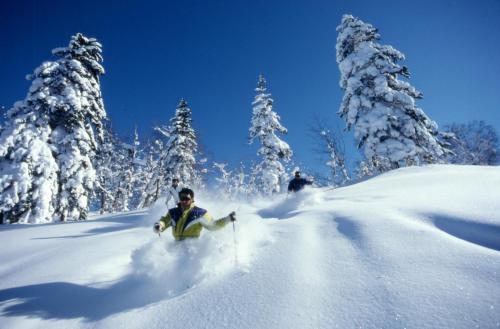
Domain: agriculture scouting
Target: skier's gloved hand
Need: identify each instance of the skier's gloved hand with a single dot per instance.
(232, 216)
(156, 228)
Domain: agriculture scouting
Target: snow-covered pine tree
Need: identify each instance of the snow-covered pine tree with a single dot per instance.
(150, 191)
(265, 123)
(252, 188)
(138, 163)
(388, 125)
(200, 168)
(102, 195)
(28, 171)
(126, 174)
(153, 174)
(180, 152)
(76, 111)
(50, 137)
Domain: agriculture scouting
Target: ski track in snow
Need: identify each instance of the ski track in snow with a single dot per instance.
(363, 256)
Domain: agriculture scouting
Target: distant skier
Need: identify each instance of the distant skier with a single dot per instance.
(187, 220)
(173, 192)
(298, 183)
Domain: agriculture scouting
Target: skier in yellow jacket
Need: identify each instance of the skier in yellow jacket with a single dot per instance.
(187, 220)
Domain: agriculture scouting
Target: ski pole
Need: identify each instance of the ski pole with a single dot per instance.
(235, 241)
(235, 244)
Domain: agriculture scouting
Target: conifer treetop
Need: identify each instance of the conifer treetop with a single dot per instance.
(389, 126)
(86, 50)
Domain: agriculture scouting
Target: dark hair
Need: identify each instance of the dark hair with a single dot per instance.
(187, 191)
(297, 173)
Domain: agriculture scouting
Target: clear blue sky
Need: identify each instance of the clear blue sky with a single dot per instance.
(211, 53)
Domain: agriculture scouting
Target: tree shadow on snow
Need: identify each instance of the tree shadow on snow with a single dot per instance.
(486, 235)
(63, 300)
(351, 230)
(122, 222)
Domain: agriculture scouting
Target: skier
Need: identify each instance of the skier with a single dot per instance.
(173, 192)
(298, 183)
(187, 220)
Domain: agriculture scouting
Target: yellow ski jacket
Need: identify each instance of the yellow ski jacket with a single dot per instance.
(189, 223)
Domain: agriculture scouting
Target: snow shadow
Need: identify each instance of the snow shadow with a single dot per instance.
(159, 270)
(486, 235)
(118, 222)
(64, 300)
(351, 230)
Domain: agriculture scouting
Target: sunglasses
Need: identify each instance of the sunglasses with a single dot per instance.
(184, 198)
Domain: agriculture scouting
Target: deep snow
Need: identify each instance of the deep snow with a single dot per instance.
(413, 248)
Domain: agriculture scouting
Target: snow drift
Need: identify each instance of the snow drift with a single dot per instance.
(414, 248)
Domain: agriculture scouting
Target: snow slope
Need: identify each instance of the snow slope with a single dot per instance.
(414, 248)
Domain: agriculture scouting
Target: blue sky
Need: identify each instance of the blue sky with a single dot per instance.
(211, 53)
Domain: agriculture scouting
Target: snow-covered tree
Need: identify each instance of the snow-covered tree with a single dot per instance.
(364, 169)
(106, 163)
(136, 160)
(388, 125)
(241, 186)
(127, 175)
(75, 108)
(231, 183)
(252, 188)
(51, 136)
(265, 124)
(475, 143)
(224, 181)
(179, 159)
(151, 177)
(28, 171)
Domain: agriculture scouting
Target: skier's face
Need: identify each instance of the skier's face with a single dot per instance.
(185, 200)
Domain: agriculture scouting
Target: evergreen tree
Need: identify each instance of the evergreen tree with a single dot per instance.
(153, 175)
(137, 165)
(269, 173)
(48, 144)
(28, 171)
(127, 175)
(75, 114)
(388, 125)
(180, 152)
(105, 163)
